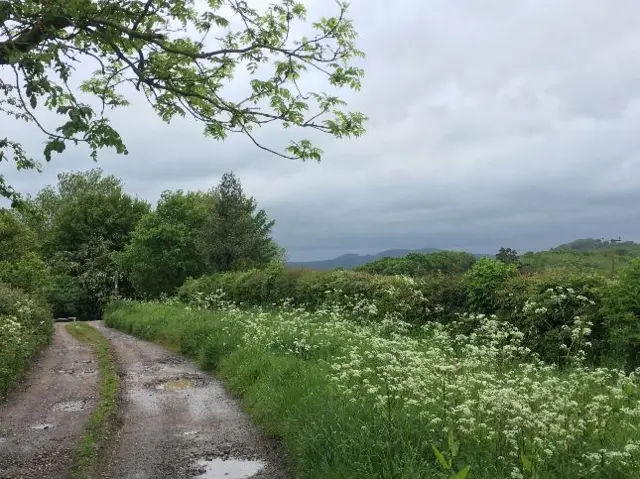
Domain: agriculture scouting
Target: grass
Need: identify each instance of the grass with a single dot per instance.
(361, 400)
(102, 421)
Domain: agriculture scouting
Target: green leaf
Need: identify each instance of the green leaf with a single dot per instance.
(441, 459)
(526, 463)
(463, 473)
(53, 145)
(33, 100)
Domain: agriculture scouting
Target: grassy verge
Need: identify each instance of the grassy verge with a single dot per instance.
(353, 400)
(102, 421)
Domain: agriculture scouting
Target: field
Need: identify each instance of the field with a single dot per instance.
(351, 397)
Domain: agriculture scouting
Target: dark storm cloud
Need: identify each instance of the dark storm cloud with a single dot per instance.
(491, 124)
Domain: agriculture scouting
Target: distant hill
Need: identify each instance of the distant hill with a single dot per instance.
(350, 261)
(597, 245)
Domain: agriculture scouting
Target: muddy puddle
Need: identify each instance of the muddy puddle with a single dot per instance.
(228, 468)
(176, 385)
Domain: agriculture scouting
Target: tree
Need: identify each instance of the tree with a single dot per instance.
(166, 51)
(165, 249)
(236, 236)
(82, 224)
(507, 255)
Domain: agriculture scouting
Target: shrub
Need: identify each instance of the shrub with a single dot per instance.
(27, 273)
(483, 281)
(421, 264)
(621, 312)
(413, 300)
(25, 327)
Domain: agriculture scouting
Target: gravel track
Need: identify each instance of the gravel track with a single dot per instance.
(42, 421)
(177, 421)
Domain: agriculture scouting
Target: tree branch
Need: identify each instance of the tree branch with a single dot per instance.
(32, 37)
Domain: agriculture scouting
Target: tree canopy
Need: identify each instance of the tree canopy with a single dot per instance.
(180, 55)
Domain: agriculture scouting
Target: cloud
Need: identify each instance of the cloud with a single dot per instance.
(491, 124)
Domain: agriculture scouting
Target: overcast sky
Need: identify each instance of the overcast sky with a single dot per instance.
(492, 123)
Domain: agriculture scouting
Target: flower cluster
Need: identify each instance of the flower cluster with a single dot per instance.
(474, 377)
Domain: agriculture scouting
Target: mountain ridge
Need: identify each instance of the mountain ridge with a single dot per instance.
(352, 260)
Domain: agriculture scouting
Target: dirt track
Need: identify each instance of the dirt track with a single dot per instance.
(179, 422)
(175, 421)
(42, 421)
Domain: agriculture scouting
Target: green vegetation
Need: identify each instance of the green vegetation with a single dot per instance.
(196, 233)
(96, 241)
(356, 398)
(159, 48)
(432, 365)
(81, 224)
(417, 264)
(583, 255)
(25, 318)
(25, 328)
(102, 421)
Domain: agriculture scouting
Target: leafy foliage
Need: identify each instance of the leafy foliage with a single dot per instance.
(20, 263)
(25, 328)
(81, 225)
(621, 310)
(165, 247)
(168, 53)
(483, 281)
(420, 264)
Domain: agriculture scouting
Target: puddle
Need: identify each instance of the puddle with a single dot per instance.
(42, 426)
(177, 385)
(69, 406)
(229, 468)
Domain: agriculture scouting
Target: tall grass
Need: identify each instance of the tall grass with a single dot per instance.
(354, 398)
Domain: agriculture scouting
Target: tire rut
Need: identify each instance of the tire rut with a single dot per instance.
(42, 421)
(177, 421)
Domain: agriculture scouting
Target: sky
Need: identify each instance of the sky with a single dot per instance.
(491, 124)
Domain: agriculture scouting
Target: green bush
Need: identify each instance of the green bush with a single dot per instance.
(621, 313)
(27, 273)
(483, 281)
(421, 264)
(25, 328)
(544, 307)
(412, 300)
